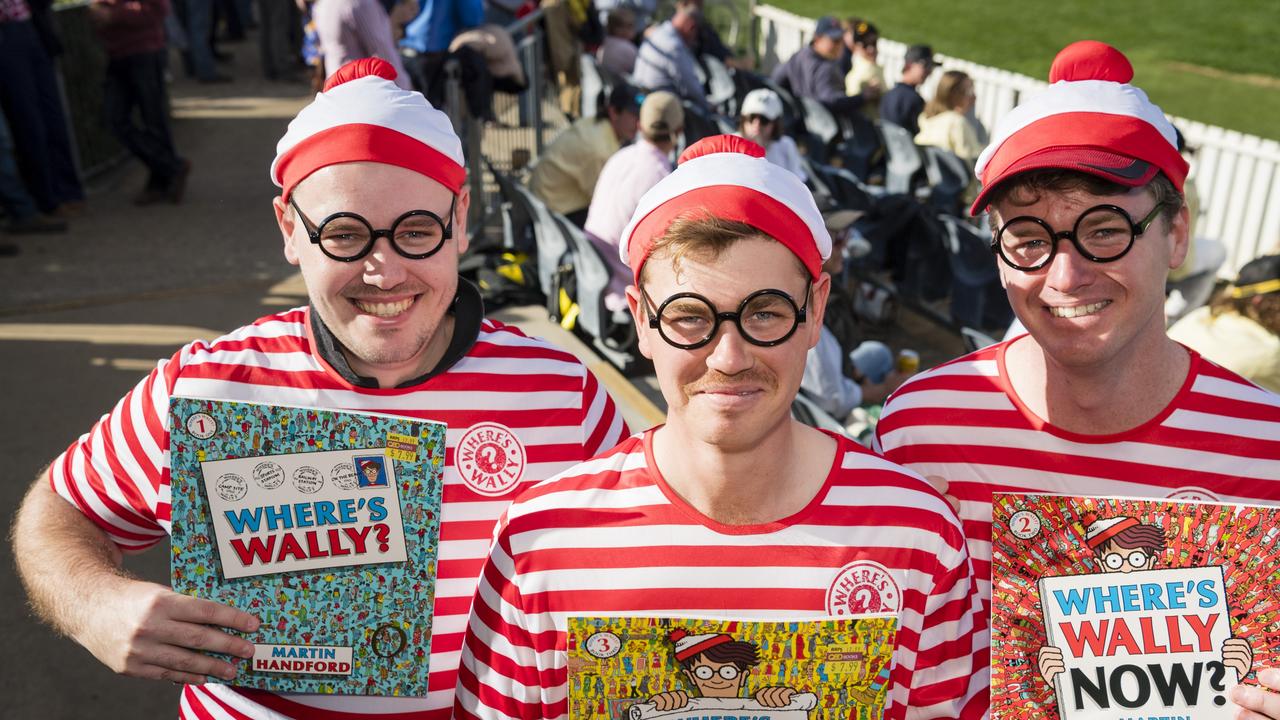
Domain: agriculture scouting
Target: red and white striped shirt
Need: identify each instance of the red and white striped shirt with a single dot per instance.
(610, 538)
(117, 474)
(1219, 439)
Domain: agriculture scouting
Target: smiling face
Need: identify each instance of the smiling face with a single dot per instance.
(389, 312)
(1117, 558)
(716, 680)
(1087, 315)
(729, 393)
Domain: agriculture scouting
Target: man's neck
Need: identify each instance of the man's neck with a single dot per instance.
(1099, 400)
(771, 480)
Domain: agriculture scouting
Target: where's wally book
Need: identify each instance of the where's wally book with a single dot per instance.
(644, 668)
(1118, 609)
(322, 523)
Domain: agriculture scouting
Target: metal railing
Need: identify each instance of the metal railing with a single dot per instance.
(526, 122)
(1237, 175)
(80, 72)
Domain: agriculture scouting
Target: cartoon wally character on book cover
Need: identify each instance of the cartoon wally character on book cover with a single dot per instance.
(1121, 609)
(682, 669)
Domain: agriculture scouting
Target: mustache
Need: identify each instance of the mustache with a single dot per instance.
(714, 380)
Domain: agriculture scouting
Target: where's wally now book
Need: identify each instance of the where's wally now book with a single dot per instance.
(322, 523)
(644, 668)
(1119, 609)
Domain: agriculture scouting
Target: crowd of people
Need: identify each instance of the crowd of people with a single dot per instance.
(734, 271)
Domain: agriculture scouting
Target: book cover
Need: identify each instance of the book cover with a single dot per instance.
(322, 523)
(1122, 608)
(644, 668)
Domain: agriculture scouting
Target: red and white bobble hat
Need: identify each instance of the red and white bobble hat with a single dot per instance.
(1100, 531)
(689, 645)
(728, 177)
(362, 115)
(1090, 119)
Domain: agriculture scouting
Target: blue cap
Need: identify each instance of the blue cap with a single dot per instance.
(829, 26)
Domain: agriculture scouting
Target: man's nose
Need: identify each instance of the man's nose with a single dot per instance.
(730, 352)
(384, 267)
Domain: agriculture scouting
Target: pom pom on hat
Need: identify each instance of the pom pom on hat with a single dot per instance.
(362, 115)
(363, 67)
(1089, 120)
(728, 176)
(1090, 60)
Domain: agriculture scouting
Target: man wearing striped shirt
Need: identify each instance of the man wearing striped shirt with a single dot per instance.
(1084, 185)
(731, 510)
(390, 329)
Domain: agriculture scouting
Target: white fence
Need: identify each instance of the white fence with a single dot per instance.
(1237, 175)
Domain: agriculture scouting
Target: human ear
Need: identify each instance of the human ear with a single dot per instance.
(817, 308)
(636, 305)
(1179, 235)
(460, 219)
(286, 221)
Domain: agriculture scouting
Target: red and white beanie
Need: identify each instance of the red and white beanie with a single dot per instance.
(362, 115)
(728, 177)
(1100, 531)
(687, 645)
(1090, 119)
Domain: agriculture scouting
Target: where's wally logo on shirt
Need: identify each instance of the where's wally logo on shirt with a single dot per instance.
(490, 459)
(1197, 494)
(863, 587)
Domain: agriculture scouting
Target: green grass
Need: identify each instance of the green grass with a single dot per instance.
(1224, 39)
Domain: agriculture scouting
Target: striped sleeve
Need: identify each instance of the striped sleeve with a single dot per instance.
(499, 674)
(951, 677)
(115, 473)
(602, 424)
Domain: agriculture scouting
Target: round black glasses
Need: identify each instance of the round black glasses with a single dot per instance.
(688, 320)
(1104, 233)
(347, 237)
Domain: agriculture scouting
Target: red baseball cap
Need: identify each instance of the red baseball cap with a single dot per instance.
(1091, 120)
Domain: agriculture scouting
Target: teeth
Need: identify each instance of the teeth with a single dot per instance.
(1078, 310)
(384, 309)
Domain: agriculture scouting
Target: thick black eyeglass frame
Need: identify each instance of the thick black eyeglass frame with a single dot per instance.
(1135, 230)
(313, 232)
(802, 315)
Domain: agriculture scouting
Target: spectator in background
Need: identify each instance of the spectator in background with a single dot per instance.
(641, 10)
(761, 122)
(945, 122)
(353, 29)
(30, 100)
(312, 54)
(902, 105)
(562, 19)
(618, 51)
(24, 217)
(565, 175)
(494, 45)
(197, 18)
(1240, 328)
(276, 19)
(426, 47)
(814, 71)
(626, 177)
(706, 40)
(861, 38)
(665, 61)
(843, 371)
(132, 33)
